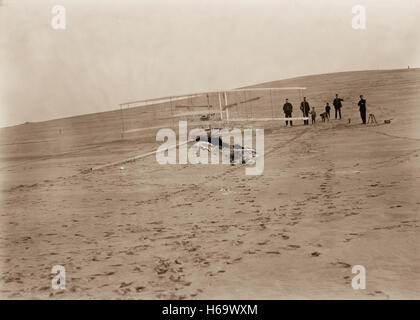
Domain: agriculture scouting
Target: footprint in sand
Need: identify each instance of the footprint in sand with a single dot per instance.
(341, 264)
(262, 243)
(292, 247)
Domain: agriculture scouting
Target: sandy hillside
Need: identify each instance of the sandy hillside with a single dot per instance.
(332, 196)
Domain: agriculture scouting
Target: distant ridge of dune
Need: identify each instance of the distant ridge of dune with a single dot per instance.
(383, 90)
(306, 80)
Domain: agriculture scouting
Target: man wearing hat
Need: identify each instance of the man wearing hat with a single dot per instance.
(337, 105)
(288, 109)
(304, 107)
(362, 109)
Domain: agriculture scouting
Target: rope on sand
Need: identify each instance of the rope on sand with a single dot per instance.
(131, 159)
(270, 119)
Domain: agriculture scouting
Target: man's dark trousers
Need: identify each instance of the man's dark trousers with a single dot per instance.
(339, 112)
(306, 114)
(363, 115)
(288, 115)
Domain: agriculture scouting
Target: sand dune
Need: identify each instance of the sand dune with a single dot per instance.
(332, 196)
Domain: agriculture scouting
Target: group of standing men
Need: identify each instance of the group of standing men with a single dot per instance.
(305, 108)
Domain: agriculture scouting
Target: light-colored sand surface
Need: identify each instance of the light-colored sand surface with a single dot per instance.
(332, 196)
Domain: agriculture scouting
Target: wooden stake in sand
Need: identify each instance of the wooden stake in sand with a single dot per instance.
(122, 122)
(220, 105)
(226, 107)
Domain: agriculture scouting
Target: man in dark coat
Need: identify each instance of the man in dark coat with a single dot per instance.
(337, 105)
(304, 107)
(288, 109)
(362, 109)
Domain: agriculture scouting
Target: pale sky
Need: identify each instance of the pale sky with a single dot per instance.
(116, 51)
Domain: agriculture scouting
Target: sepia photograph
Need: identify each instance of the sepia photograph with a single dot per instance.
(210, 150)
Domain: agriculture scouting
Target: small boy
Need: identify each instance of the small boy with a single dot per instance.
(313, 115)
(327, 110)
